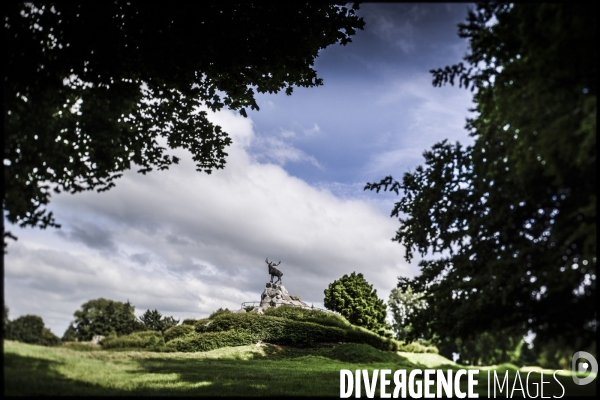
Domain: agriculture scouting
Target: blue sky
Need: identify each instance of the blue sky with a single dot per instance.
(187, 243)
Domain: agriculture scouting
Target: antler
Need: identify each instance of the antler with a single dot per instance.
(272, 264)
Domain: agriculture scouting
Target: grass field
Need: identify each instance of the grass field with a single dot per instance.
(256, 370)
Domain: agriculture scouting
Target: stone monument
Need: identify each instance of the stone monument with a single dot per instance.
(275, 294)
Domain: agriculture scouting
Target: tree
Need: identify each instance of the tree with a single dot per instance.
(357, 301)
(5, 321)
(155, 321)
(91, 89)
(512, 218)
(30, 329)
(403, 304)
(101, 317)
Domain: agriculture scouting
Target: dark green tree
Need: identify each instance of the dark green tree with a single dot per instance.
(31, 329)
(5, 321)
(153, 320)
(512, 218)
(101, 317)
(70, 334)
(92, 89)
(357, 301)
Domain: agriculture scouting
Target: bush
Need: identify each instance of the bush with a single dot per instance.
(363, 353)
(199, 324)
(150, 340)
(276, 329)
(309, 315)
(416, 347)
(211, 340)
(219, 312)
(294, 327)
(357, 334)
(297, 333)
(178, 331)
(189, 321)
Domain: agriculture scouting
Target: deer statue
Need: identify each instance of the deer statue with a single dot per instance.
(274, 271)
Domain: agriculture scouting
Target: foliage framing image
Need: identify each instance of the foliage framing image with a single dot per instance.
(513, 216)
(92, 89)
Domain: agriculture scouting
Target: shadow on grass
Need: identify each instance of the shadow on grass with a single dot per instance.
(275, 371)
(30, 376)
(33, 376)
(247, 378)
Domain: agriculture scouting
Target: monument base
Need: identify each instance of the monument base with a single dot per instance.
(276, 295)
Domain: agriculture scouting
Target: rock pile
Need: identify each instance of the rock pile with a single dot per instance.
(276, 295)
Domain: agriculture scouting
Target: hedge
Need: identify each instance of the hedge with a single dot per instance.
(293, 332)
(286, 325)
(416, 347)
(357, 334)
(211, 340)
(309, 315)
(145, 340)
(178, 331)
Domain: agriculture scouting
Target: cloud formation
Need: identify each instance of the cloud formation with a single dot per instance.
(187, 243)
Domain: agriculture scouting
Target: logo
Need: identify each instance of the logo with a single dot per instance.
(582, 366)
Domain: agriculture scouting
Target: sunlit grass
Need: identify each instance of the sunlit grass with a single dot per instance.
(256, 370)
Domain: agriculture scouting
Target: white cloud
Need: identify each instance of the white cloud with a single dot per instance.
(279, 150)
(187, 243)
(431, 115)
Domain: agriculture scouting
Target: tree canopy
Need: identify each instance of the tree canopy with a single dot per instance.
(29, 329)
(101, 317)
(90, 90)
(511, 218)
(354, 298)
(153, 320)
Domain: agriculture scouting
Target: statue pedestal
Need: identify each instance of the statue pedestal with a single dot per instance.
(276, 295)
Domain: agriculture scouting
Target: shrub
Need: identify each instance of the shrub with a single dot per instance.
(200, 324)
(189, 321)
(178, 331)
(150, 340)
(298, 333)
(357, 334)
(363, 353)
(309, 315)
(416, 347)
(219, 312)
(211, 340)
(232, 329)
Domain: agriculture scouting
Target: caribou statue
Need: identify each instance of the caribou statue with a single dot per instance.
(274, 271)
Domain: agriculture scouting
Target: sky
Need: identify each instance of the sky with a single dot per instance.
(187, 243)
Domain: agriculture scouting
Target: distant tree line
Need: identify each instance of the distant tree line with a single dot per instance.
(28, 329)
(95, 317)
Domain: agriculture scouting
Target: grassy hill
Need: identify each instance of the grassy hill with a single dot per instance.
(286, 352)
(252, 370)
